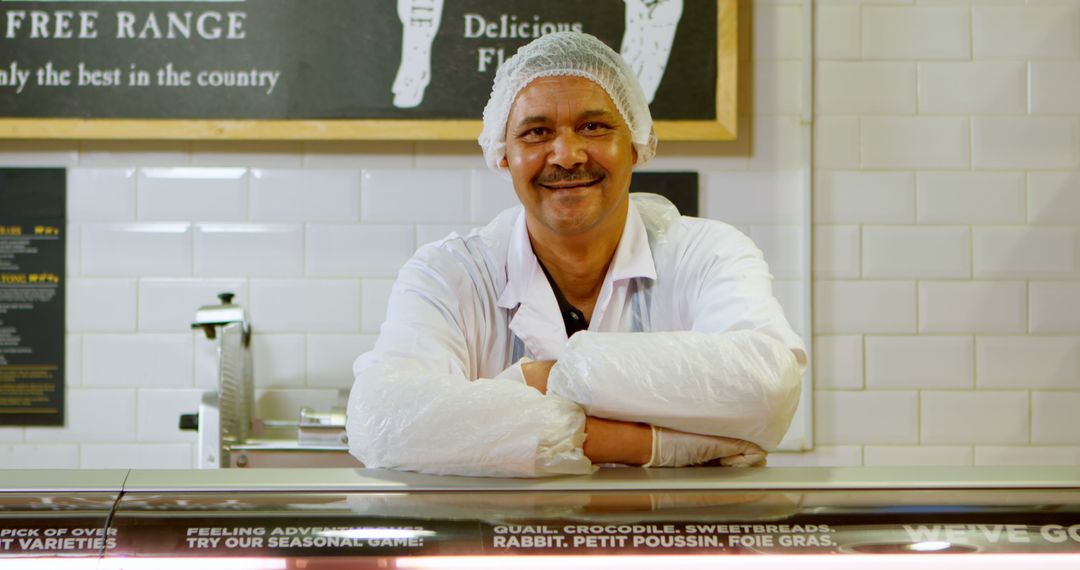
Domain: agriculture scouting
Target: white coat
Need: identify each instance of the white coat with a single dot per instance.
(710, 353)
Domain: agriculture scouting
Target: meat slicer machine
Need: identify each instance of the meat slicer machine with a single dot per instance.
(229, 433)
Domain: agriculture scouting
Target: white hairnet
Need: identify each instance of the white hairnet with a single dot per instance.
(560, 54)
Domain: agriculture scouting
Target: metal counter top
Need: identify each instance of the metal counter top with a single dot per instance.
(615, 479)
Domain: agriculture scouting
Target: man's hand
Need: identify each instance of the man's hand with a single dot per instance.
(677, 449)
(536, 373)
(612, 441)
(606, 441)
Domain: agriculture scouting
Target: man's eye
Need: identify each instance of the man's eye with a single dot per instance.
(535, 133)
(594, 127)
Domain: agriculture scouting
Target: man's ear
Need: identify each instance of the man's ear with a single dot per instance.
(633, 152)
(506, 164)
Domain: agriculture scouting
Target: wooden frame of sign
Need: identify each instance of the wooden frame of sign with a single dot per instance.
(722, 128)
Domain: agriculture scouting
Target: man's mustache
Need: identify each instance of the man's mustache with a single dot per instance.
(557, 174)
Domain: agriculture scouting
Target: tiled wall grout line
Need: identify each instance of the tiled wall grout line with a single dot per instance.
(918, 416)
(918, 313)
(1027, 87)
(249, 202)
(971, 32)
(863, 375)
(1027, 298)
(971, 251)
(974, 363)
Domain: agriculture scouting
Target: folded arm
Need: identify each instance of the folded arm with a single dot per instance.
(415, 404)
(735, 373)
(636, 443)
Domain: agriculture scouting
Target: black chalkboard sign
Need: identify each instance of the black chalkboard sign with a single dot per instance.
(323, 66)
(681, 188)
(32, 254)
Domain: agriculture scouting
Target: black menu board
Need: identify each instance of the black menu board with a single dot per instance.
(32, 259)
(332, 59)
(327, 61)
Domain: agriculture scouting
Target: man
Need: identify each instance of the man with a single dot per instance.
(473, 372)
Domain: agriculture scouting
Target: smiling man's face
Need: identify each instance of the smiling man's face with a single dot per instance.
(570, 155)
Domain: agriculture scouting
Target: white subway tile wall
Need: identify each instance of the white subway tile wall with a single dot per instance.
(1024, 142)
(1011, 252)
(972, 306)
(992, 88)
(101, 195)
(837, 34)
(11, 434)
(73, 361)
(1054, 306)
(847, 307)
(330, 358)
(947, 231)
(262, 250)
(837, 142)
(837, 252)
(166, 304)
(206, 362)
(47, 456)
(777, 144)
(358, 154)
(928, 362)
(345, 250)
(149, 359)
(915, 32)
(960, 417)
(375, 293)
(92, 415)
(159, 411)
(491, 193)
(136, 250)
(134, 153)
(1026, 455)
(1036, 32)
(305, 305)
(396, 196)
(782, 247)
(914, 142)
(278, 360)
(305, 195)
(984, 198)
(208, 194)
(865, 87)
(73, 245)
(911, 455)
(100, 305)
(1054, 417)
(899, 252)
(1039, 362)
(778, 88)
(873, 197)
(946, 240)
(135, 456)
(1053, 198)
(838, 362)
(427, 233)
(865, 417)
(821, 456)
(286, 154)
(39, 153)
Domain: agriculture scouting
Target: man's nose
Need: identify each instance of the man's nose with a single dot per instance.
(568, 151)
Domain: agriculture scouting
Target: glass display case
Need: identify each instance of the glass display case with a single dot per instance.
(618, 518)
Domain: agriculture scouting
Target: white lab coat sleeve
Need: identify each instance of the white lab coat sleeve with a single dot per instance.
(413, 406)
(735, 373)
